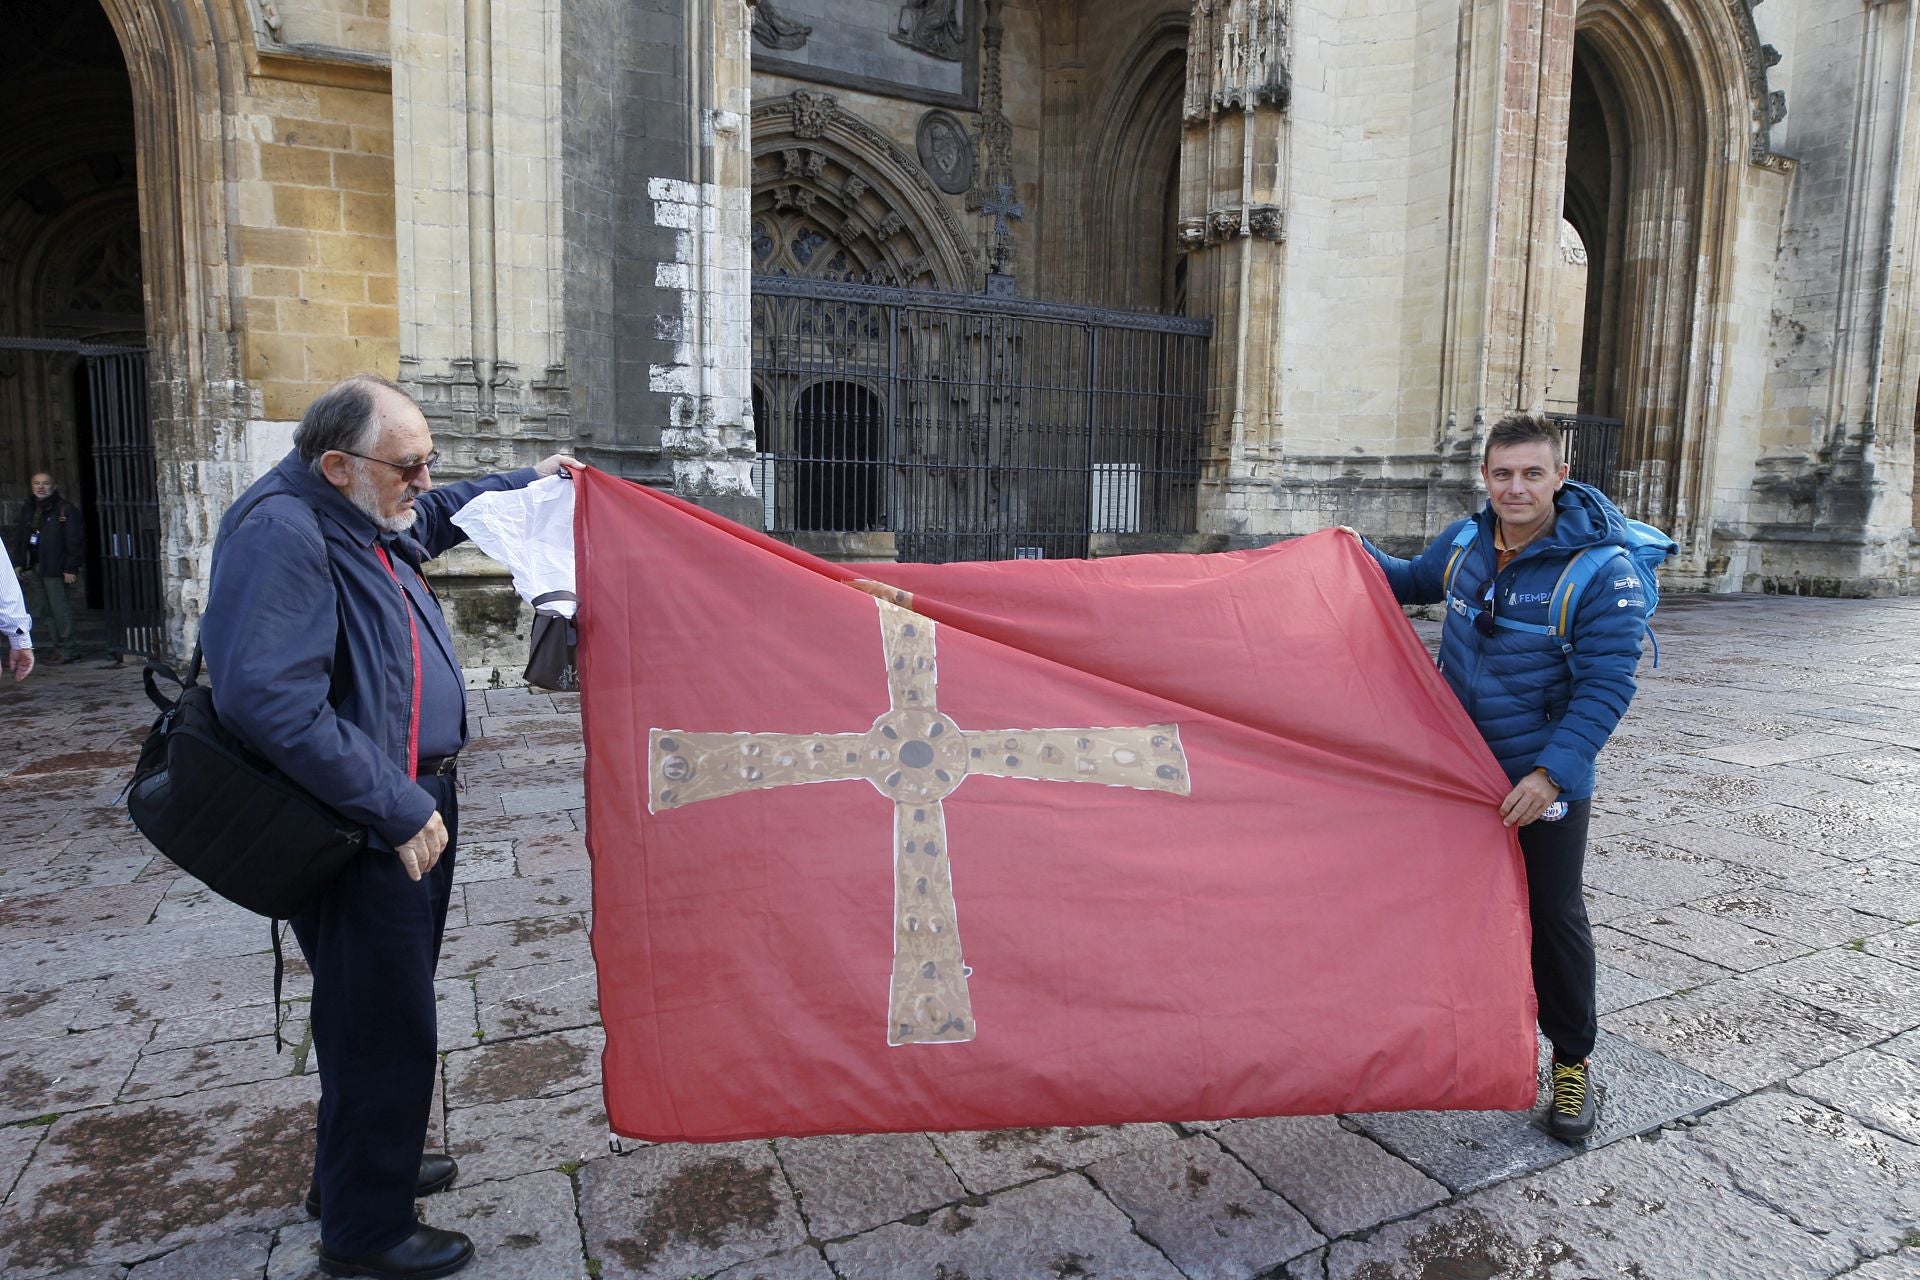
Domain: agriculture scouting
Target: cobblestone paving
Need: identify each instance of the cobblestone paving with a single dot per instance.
(1755, 881)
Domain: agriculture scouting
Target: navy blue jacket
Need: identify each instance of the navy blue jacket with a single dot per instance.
(1537, 706)
(307, 640)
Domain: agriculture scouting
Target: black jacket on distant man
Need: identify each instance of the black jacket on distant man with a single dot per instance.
(62, 543)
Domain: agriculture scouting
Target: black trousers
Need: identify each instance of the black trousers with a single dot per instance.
(372, 941)
(1563, 973)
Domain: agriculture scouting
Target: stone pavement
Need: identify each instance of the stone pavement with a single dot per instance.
(1755, 880)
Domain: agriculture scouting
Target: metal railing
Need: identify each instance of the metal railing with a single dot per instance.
(1590, 445)
(971, 428)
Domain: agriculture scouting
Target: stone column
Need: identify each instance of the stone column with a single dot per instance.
(478, 213)
(708, 375)
(1233, 229)
(1510, 164)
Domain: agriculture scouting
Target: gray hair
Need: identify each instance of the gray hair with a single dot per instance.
(343, 417)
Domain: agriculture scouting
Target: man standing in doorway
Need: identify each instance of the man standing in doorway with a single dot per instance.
(51, 544)
(329, 655)
(1544, 707)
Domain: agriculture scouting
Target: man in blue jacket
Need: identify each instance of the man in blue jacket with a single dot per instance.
(1545, 707)
(329, 656)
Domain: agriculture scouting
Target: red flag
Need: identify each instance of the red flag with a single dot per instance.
(1032, 842)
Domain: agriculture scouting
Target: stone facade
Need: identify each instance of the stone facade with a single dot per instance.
(541, 217)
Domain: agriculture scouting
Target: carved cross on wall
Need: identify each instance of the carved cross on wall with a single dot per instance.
(915, 756)
(1001, 206)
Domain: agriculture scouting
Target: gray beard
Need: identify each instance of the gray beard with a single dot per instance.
(363, 495)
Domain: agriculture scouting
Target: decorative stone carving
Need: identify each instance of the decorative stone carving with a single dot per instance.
(811, 111)
(775, 30)
(946, 152)
(937, 28)
(1236, 56)
(859, 161)
(993, 175)
(1769, 105)
(1264, 221)
(890, 226)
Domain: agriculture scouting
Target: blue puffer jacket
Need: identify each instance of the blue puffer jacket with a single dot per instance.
(1537, 706)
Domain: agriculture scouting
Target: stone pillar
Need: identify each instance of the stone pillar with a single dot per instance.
(478, 214)
(708, 374)
(656, 113)
(1510, 162)
(1233, 228)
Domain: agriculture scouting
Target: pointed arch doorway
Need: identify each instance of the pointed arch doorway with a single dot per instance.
(73, 331)
(1657, 130)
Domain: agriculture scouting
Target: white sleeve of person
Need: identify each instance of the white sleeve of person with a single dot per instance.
(530, 531)
(16, 624)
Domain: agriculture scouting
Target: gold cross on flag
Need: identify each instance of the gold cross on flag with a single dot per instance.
(915, 756)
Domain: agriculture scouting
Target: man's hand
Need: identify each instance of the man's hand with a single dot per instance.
(420, 853)
(22, 663)
(71, 578)
(551, 466)
(1529, 799)
(1350, 531)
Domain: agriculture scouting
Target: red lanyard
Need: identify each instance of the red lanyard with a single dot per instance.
(413, 632)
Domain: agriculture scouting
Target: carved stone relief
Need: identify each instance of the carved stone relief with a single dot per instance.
(811, 111)
(854, 185)
(1769, 105)
(775, 30)
(946, 152)
(1236, 56)
(937, 28)
(1264, 222)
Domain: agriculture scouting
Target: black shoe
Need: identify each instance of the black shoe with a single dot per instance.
(427, 1253)
(1574, 1109)
(437, 1173)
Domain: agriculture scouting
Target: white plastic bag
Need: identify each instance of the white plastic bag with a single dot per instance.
(530, 531)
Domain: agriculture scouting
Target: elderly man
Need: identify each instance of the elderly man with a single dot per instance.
(329, 655)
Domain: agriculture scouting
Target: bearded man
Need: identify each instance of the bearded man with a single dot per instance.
(330, 657)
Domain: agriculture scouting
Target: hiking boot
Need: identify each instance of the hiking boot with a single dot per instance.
(1573, 1110)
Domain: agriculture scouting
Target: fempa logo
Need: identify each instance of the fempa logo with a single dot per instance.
(1625, 584)
(1528, 597)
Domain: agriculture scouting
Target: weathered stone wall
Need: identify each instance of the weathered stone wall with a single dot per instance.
(314, 257)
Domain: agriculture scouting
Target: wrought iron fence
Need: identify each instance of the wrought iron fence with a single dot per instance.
(971, 428)
(129, 502)
(1590, 445)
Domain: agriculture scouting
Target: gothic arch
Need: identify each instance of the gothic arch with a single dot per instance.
(833, 197)
(1669, 81)
(1133, 168)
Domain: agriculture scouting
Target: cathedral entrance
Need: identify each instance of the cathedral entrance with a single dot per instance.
(916, 425)
(1657, 128)
(73, 369)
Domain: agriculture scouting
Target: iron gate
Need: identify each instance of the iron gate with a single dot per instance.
(128, 502)
(1590, 445)
(125, 504)
(971, 428)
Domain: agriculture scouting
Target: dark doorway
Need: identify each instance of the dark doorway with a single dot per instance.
(72, 306)
(838, 438)
(1595, 156)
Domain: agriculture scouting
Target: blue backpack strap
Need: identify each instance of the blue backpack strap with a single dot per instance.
(1461, 541)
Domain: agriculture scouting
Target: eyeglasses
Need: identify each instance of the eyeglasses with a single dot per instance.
(410, 470)
(1484, 621)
